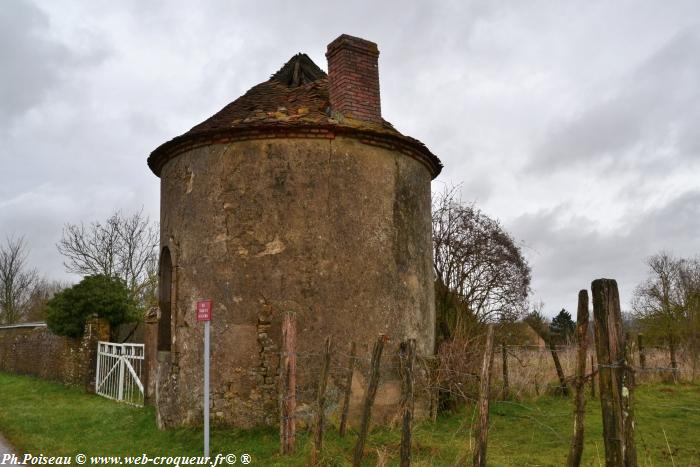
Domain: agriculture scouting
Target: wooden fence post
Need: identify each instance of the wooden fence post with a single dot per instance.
(564, 388)
(504, 357)
(593, 371)
(371, 393)
(609, 347)
(287, 380)
(674, 361)
(628, 405)
(642, 353)
(433, 369)
(321, 402)
(348, 391)
(482, 423)
(407, 356)
(576, 448)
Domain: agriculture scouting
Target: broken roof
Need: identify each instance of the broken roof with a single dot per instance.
(292, 103)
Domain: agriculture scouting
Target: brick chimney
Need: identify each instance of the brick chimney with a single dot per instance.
(353, 77)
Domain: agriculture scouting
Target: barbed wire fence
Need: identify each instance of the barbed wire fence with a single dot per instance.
(315, 385)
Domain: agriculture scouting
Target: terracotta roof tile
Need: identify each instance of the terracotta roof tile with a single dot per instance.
(294, 100)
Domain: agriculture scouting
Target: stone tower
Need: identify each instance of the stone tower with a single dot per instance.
(296, 197)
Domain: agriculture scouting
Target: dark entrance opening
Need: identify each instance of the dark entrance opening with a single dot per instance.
(164, 300)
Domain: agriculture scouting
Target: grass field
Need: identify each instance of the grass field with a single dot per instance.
(42, 417)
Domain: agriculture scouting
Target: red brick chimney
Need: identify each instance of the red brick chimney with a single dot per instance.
(353, 78)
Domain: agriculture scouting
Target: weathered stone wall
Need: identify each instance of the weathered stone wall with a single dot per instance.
(39, 352)
(336, 231)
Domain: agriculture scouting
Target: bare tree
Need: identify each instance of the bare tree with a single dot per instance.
(43, 291)
(16, 280)
(667, 303)
(481, 272)
(124, 246)
(689, 287)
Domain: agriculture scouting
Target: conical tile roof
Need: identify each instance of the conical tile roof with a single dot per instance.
(292, 103)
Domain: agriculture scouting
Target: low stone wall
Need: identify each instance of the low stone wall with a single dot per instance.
(36, 351)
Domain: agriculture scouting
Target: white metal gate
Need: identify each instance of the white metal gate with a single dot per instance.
(119, 371)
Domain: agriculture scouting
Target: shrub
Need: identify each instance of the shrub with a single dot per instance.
(107, 297)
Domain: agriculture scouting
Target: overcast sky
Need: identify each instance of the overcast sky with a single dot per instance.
(576, 124)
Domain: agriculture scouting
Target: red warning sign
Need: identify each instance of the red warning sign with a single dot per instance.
(204, 310)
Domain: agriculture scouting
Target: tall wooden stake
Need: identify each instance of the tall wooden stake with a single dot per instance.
(288, 385)
(348, 392)
(674, 361)
(434, 387)
(576, 448)
(642, 354)
(609, 347)
(504, 357)
(320, 415)
(628, 406)
(371, 393)
(560, 372)
(407, 356)
(482, 424)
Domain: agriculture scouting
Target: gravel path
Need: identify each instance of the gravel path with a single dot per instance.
(5, 449)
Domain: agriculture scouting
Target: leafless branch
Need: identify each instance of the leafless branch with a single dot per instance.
(123, 247)
(480, 269)
(16, 281)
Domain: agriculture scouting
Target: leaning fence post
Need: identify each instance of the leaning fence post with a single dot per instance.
(321, 402)
(504, 357)
(564, 388)
(407, 356)
(369, 400)
(288, 366)
(482, 424)
(576, 448)
(628, 406)
(593, 371)
(348, 392)
(608, 329)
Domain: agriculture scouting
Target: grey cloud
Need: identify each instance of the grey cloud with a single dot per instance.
(567, 256)
(646, 120)
(30, 60)
(90, 88)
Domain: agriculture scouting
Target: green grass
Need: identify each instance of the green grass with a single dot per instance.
(42, 417)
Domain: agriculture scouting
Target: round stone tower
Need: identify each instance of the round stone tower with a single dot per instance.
(295, 198)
